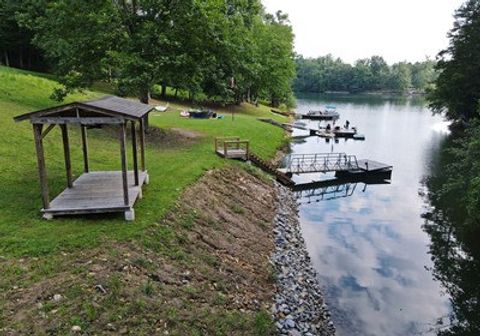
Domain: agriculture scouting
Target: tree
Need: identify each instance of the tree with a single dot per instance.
(457, 88)
(133, 44)
(400, 77)
(370, 74)
(380, 72)
(228, 50)
(423, 74)
(274, 39)
(16, 48)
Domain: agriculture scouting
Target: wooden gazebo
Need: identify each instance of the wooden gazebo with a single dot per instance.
(100, 191)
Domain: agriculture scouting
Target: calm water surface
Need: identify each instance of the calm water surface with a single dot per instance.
(366, 241)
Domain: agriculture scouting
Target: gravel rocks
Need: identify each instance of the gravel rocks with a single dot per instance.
(298, 307)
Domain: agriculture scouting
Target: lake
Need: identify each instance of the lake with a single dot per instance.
(367, 241)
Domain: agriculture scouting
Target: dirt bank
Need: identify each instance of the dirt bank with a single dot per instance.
(204, 269)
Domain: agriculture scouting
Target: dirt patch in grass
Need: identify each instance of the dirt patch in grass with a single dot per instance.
(172, 138)
(203, 269)
(186, 133)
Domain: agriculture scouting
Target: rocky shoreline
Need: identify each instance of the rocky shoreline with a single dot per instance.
(298, 307)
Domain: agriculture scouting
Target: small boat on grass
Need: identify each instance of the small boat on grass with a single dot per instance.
(199, 114)
(162, 108)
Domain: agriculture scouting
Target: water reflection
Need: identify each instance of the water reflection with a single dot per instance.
(369, 248)
(454, 247)
(331, 189)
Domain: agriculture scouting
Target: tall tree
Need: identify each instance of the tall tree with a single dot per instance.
(227, 49)
(16, 48)
(274, 40)
(131, 43)
(457, 89)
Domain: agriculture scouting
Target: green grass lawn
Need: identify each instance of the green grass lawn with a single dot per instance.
(172, 167)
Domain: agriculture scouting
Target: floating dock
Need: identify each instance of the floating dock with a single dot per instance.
(368, 168)
(341, 164)
(350, 133)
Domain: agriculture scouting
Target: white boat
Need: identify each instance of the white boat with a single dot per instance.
(160, 108)
(330, 113)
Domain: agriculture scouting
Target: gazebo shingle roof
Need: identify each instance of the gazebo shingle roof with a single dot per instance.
(111, 105)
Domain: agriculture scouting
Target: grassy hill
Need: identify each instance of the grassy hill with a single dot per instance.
(194, 262)
(179, 151)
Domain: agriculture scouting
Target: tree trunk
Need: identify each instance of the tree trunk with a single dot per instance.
(274, 101)
(29, 58)
(7, 61)
(145, 98)
(164, 90)
(176, 92)
(20, 58)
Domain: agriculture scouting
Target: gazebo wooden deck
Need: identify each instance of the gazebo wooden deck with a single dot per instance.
(93, 192)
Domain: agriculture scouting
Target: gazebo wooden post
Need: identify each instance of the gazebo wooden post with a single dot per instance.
(142, 143)
(123, 155)
(66, 151)
(134, 152)
(37, 134)
(86, 168)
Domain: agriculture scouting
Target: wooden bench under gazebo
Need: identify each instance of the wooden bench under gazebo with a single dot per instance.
(100, 191)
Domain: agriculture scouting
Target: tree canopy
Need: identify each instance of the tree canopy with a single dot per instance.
(229, 50)
(16, 48)
(457, 89)
(371, 74)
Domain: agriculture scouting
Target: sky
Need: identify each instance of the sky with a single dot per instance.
(398, 30)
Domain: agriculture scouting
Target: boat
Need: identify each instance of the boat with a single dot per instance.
(162, 108)
(342, 132)
(337, 132)
(359, 137)
(330, 113)
(202, 114)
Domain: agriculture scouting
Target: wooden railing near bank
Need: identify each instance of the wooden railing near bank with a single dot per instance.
(235, 148)
(270, 169)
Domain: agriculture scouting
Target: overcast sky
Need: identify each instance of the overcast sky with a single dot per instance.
(398, 30)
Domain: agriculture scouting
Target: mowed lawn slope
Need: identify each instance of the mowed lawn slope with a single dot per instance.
(174, 160)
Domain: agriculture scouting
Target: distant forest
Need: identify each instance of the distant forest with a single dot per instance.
(327, 73)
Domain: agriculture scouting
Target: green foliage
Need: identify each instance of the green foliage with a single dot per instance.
(457, 90)
(263, 324)
(16, 48)
(148, 288)
(230, 50)
(372, 74)
(460, 177)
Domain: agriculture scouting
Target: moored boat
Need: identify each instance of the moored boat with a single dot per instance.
(330, 113)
